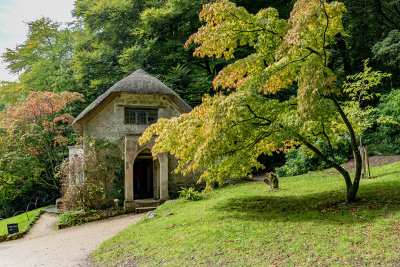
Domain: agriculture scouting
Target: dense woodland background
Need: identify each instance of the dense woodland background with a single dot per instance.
(110, 39)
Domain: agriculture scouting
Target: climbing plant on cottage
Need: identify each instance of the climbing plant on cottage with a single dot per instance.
(92, 180)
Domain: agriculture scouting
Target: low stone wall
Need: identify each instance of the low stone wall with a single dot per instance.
(86, 217)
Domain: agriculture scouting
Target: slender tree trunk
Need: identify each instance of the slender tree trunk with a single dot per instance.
(352, 190)
(344, 54)
(363, 159)
(367, 162)
(333, 164)
(352, 187)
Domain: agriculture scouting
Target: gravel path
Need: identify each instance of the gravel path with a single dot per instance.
(45, 246)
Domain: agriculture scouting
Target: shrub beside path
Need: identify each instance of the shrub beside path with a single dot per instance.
(45, 246)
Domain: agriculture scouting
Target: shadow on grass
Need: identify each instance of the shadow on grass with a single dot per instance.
(375, 200)
(385, 174)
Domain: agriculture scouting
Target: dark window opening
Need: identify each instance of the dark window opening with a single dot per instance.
(140, 116)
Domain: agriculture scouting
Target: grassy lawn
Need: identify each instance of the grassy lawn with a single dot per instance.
(21, 219)
(304, 223)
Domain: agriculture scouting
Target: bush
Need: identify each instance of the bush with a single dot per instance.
(190, 194)
(296, 163)
(93, 180)
(17, 194)
(66, 218)
(385, 137)
(299, 162)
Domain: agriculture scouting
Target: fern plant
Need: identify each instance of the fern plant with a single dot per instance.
(190, 194)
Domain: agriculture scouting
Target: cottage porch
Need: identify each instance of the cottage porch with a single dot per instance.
(145, 175)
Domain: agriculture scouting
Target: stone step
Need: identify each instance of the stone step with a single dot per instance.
(142, 203)
(145, 209)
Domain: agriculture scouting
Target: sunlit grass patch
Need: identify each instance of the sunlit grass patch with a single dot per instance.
(21, 219)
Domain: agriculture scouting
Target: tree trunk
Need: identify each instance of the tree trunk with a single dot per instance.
(366, 171)
(351, 190)
(353, 187)
(362, 153)
(345, 55)
(367, 162)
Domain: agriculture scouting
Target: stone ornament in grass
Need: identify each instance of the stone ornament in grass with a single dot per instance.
(272, 180)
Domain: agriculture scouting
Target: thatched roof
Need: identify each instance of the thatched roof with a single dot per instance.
(139, 82)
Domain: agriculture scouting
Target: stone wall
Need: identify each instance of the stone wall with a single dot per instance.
(75, 162)
(109, 124)
(176, 180)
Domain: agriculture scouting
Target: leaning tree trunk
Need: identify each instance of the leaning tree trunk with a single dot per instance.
(352, 187)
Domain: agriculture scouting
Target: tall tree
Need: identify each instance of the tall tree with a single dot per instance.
(120, 36)
(368, 22)
(33, 139)
(44, 59)
(159, 49)
(105, 30)
(11, 93)
(250, 121)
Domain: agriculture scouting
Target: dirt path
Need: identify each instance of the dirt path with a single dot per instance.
(46, 225)
(45, 246)
(374, 161)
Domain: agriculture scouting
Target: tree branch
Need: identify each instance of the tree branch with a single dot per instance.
(329, 143)
(260, 137)
(383, 14)
(327, 160)
(256, 116)
(357, 156)
(252, 23)
(325, 31)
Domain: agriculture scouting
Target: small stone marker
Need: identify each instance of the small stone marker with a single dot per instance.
(152, 214)
(59, 203)
(12, 228)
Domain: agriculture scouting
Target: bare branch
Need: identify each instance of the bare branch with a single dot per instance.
(325, 31)
(256, 116)
(329, 143)
(327, 160)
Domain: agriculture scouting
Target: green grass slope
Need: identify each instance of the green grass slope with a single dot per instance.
(21, 219)
(304, 223)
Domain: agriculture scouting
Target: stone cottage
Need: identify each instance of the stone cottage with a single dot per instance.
(121, 115)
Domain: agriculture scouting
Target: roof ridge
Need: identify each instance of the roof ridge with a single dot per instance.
(138, 82)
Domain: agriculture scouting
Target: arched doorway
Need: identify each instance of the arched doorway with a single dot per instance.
(144, 175)
(135, 154)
